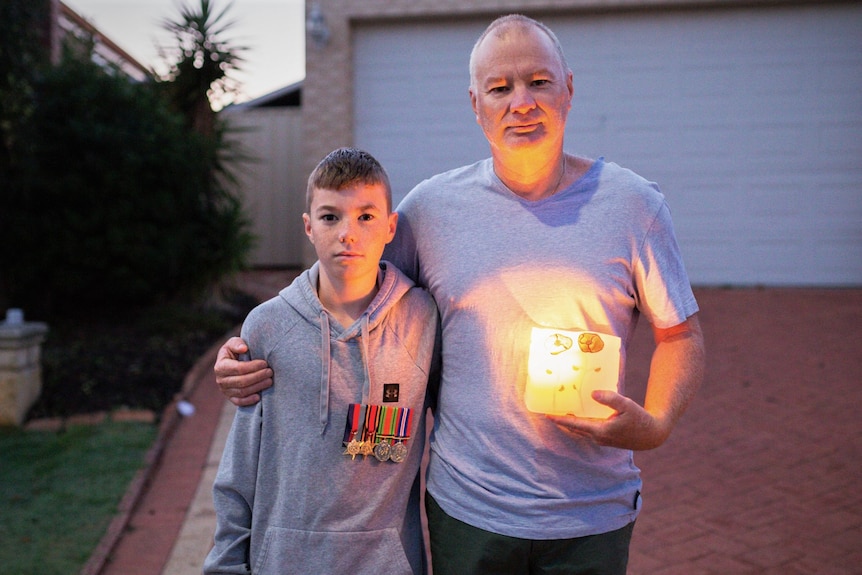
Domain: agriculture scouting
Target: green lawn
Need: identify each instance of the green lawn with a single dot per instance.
(60, 491)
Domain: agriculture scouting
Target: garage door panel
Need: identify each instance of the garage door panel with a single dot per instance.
(749, 120)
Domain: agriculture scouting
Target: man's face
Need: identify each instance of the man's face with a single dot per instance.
(521, 92)
(349, 229)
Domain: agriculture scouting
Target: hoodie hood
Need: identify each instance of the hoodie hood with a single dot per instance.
(306, 302)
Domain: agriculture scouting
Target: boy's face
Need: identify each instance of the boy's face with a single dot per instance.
(349, 229)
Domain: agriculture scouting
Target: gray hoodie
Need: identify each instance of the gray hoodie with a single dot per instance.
(287, 496)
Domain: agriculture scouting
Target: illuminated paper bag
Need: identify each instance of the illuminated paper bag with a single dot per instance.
(565, 367)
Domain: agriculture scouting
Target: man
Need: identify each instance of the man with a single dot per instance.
(535, 237)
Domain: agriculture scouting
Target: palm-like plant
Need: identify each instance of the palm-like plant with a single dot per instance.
(202, 62)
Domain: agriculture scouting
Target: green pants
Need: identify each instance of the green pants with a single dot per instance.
(461, 549)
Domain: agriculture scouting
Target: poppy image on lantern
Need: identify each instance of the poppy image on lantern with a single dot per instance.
(565, 367)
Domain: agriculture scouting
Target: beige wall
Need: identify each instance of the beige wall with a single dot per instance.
(272, 183)
(327, 108)
(328, 90)
(327, 97)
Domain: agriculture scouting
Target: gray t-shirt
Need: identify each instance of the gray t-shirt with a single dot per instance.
(591, 257)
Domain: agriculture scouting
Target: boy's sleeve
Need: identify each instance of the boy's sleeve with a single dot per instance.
(233, 495)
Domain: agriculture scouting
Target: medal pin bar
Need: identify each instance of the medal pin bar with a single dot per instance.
(377, 430)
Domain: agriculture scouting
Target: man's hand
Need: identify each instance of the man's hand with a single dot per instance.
(631, 427)
(676, 373)
(240, 381)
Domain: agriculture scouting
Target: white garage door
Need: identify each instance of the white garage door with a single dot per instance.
(750, 120)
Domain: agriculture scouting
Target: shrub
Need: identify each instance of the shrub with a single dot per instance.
(117, 202)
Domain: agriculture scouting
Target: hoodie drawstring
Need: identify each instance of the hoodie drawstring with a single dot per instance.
(366, 385)
(326, 360)
(326, 363)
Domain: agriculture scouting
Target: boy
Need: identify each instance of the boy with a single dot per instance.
(322, 475)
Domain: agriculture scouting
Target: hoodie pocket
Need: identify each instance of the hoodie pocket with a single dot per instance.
(292, 551)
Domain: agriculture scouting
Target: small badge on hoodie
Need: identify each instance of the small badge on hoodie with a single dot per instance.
(390, 392)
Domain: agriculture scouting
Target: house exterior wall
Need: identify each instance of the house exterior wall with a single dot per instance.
(718, 236)
(68, 24)
(271, 182)
(328, 88)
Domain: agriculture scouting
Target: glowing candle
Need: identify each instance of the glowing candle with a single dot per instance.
(565, 367)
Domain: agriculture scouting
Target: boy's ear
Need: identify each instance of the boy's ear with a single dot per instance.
(306, 220)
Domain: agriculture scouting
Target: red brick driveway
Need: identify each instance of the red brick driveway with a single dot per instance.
(763, 475)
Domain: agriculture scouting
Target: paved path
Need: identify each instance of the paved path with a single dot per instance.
(762, 476)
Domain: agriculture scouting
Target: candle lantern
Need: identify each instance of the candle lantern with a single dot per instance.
(565, 367)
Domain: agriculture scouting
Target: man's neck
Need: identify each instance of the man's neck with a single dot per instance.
(539, 179)
(531, 176)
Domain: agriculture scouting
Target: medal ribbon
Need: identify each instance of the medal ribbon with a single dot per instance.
(371, 419)
(405, 420)
(354, 417)
(388, 422)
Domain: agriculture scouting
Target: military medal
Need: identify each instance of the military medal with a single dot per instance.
(382, 450)
(378, 430)
(353, 448)
(371, 418)
(354, 430)
(398, 452)
(366, 449)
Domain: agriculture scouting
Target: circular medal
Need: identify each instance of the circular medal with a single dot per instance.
(382, 450)
(398, 453)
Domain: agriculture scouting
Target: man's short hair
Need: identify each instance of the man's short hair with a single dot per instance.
(344, 167)
(516, 21)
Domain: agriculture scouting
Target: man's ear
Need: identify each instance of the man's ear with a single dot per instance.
(473, 103)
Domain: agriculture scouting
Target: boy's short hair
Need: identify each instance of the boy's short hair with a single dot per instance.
(344, 167)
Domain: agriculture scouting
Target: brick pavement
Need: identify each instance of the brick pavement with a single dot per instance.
(147, 543)
(763, 475)
(154, 526)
